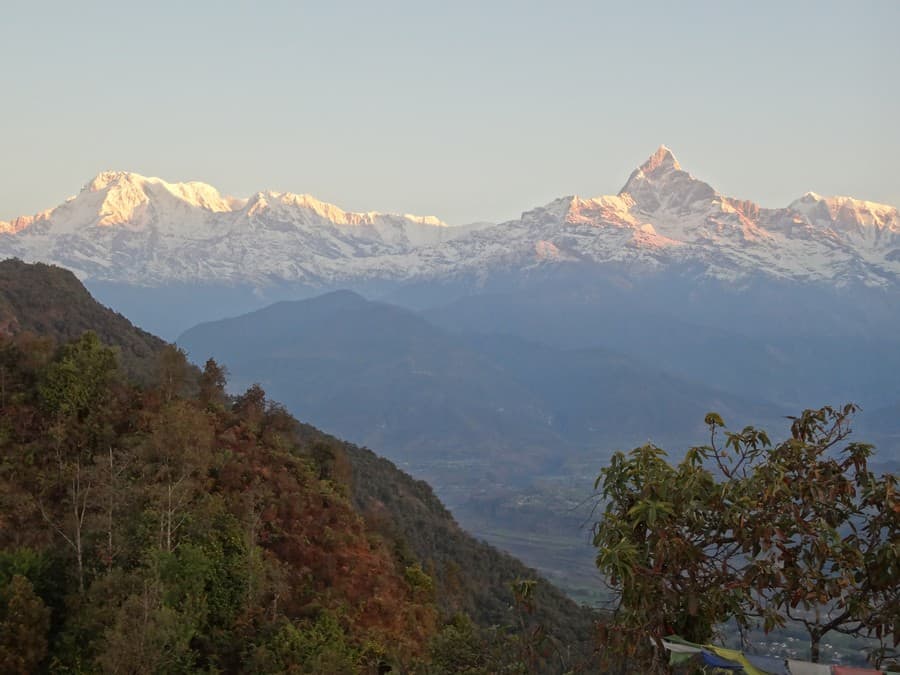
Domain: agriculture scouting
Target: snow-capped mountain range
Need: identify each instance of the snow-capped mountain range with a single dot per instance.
(130, 229)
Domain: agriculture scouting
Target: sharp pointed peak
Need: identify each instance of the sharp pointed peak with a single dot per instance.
(662, 158)
(660, 164)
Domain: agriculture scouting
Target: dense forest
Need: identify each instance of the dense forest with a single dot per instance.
(151, 523)
(50, 302)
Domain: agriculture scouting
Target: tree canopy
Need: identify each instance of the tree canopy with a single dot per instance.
(752, 532)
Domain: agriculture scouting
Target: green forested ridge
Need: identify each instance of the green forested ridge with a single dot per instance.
(165, 527)
(49, 301)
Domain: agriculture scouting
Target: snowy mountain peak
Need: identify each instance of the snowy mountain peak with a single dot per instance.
(661, 160)
(124, 197)
(661, 184)
(189, 231)
(659, 166)
(140, 230)
(846, 214)
(107, 179)
(117, 197)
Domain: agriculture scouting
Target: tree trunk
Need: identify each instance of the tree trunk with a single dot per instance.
(78, 553)
(79, 508)
(109, 514)
(169, 519)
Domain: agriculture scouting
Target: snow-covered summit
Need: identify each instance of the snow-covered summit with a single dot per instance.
(665, 216)
(659, 163)
(123, 226)
(125, 194)
(660, 182)
(129, 228)
(846, 212)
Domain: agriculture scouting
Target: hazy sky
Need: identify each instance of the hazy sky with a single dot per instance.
(465, 110)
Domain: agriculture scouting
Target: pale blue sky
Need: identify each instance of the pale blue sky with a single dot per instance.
(465, 110)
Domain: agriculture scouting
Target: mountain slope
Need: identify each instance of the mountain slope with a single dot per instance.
(378, 375)
(509, 432)
(50, 302)
(384, 377)
(297, 483)
(773, 341)
(417, 518)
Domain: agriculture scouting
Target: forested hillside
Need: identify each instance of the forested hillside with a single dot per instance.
(471, 577)
(167, 527)
(49, 301)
